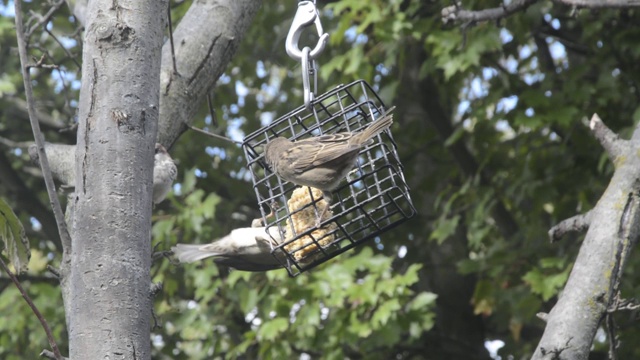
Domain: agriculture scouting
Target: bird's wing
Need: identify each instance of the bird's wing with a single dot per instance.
(307, 154)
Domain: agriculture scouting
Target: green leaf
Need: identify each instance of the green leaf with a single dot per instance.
(422, 300)
(444, 229)
(15, 241)
(385, 312)
(271, 329)
(546, 285)
(189, 182)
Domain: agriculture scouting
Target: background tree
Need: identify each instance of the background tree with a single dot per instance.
(491, 125)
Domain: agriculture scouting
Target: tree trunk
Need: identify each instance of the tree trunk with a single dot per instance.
(106, 274)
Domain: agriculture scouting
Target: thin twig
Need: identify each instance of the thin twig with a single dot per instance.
(44, 19)
(37, 134)
(15, 144)
(212, 111)
(173, 53)
(66, 51)
(212, 134)
(619, 304)
(40, 64)
(601, 4)
(611, 334)
(33, 279)
(576, 223)
(455, 13)
(33, 307)
(54, 271)
(71, 128)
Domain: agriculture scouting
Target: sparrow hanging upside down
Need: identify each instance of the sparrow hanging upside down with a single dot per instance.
(164, 174)
(247, 249)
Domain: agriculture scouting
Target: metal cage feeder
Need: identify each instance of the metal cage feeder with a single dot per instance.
(371, 200)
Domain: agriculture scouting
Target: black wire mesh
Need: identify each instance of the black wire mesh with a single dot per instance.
(374, 197)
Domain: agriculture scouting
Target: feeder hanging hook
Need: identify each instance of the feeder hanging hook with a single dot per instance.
(306, 14)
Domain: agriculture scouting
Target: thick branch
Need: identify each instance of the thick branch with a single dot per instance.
(455, 13)
(578, 223)
(613, 232)
(600, 4)
(206, 39)
(62, 159)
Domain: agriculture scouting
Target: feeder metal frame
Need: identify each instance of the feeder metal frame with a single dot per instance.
(372, 200)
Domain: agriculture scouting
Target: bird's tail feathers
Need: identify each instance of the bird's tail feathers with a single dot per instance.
(381, 124)
(187, 253)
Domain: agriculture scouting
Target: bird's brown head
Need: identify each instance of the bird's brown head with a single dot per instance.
(160, 149)
(274, 148)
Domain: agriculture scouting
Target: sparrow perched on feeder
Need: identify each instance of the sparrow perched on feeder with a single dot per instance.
(247, 249)
(164, 174)
(323, 161)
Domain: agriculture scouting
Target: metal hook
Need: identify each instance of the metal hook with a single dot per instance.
(308, 69)
(305, 15)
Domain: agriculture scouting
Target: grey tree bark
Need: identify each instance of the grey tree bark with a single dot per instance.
(124, 101)
(205, 40)
(106, 273)
(614, 227)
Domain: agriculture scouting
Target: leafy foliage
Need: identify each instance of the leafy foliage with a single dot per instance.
(489, 117)
(15, 241)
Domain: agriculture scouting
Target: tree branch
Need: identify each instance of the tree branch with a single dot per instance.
(455, 13)
(33, 279)
(600, 4)
(37, 134)
(49, 355)
(609, 140)
(212, 135)
(578, 223)
(613, 232)
(206, 39)
(25, 296)
(62, 157)
(18, 108)
(43, 19)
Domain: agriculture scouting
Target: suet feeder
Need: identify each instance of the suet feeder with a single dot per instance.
(371, 200)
